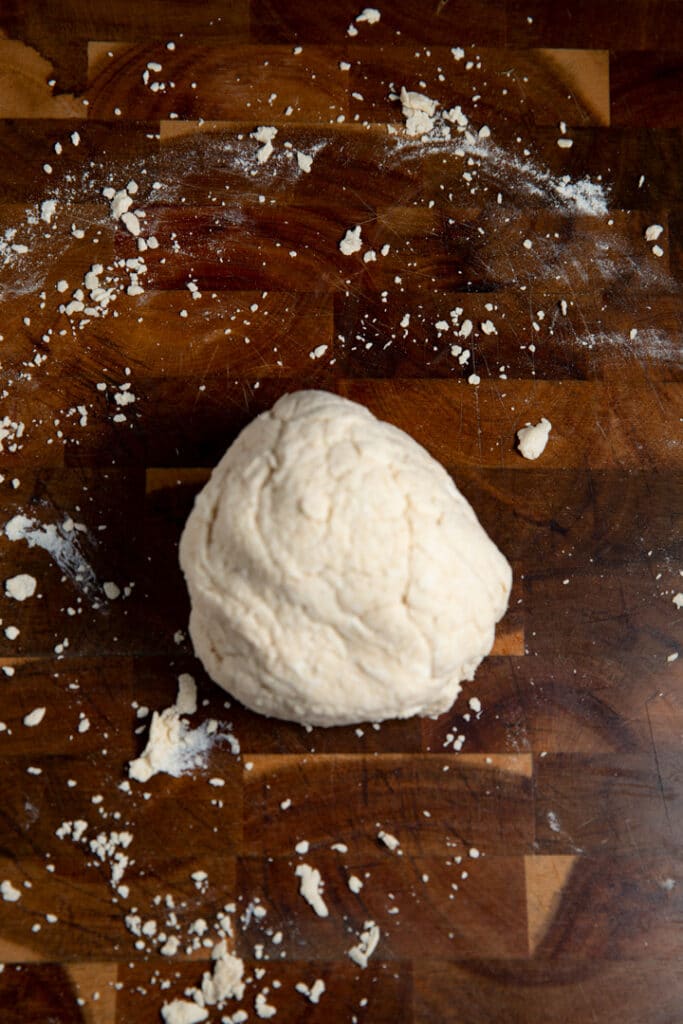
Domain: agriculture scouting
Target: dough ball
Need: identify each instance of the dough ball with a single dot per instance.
(336, 573)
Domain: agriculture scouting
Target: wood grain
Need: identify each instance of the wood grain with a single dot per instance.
(538, 877)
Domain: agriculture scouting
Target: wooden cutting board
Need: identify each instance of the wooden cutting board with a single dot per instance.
(568, 782)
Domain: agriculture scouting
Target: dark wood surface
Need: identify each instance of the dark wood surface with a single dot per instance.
(569, 783)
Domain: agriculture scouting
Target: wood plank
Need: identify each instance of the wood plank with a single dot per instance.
(461, 424)
(356, 796)
(654, 25)
(563, 703)
(285, 20)
(645, 88)
(614, 805)
(381, 993)
(451, 915)
(220, 81)
(536, 992)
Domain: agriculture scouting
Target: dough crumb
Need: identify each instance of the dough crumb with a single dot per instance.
(8, 892)
(418, 111)
(313, 993)
(34, 717)
(370, 15)
(20, 587)
(351, 242)
(310, 887)
(389, 840)
(533, 439)
(369, 939)
(182, 1011)
(265, 136)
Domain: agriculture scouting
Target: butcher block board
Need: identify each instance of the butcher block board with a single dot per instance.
(567, 782)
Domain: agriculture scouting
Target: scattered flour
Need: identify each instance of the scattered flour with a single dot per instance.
(62, 543)
(173, 747)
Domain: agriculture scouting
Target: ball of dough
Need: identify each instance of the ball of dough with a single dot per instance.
(336, 573)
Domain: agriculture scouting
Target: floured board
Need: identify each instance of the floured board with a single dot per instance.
(538, 873)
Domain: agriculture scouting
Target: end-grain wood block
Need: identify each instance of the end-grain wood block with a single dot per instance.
(633, 26)
(645, 88)
(260, 736)
(548, 86)
(564, 704)
(460, 21)
(247, 335)
(267, 247)
(349, 799)
(539, 991)
(381, 993)
(215, 410)
(69, 601)
(635, 627)
(606, 803)
(582, 922)
(39, 992)
(25, 92)
(576, 520)
(217, 81)
(596, 424)
(451, 905)
(219, 159)
(30, 142)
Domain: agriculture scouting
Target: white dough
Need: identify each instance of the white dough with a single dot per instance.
(336, 573)
(532, 440)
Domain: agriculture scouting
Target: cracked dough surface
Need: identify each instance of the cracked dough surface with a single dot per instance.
(336, 573)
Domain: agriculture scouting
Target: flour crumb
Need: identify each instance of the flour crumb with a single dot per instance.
(186, 701)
